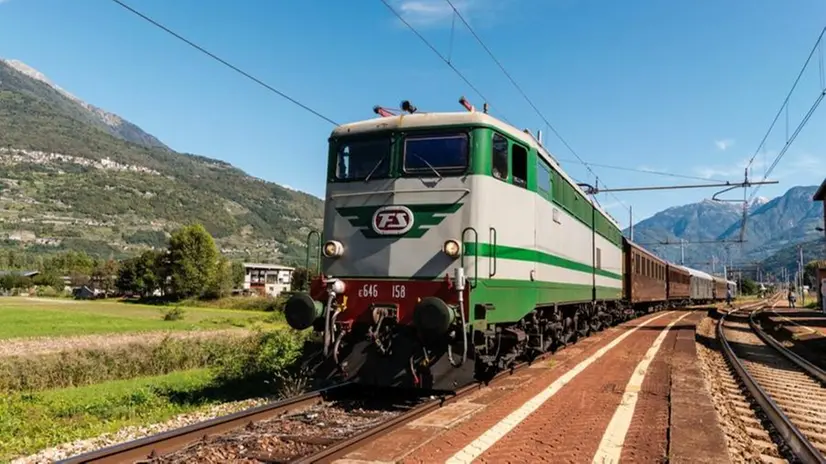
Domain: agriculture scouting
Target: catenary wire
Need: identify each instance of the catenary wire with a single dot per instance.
(525, 96)
(224, 62)
(788, 96)
(440, 55)
(645, 171)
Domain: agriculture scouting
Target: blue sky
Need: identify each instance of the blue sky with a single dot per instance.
(687, 87)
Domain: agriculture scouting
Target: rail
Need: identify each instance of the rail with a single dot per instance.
(166, 442)
(797, 442)
(810, 369)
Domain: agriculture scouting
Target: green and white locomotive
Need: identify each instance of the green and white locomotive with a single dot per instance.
(453, 244)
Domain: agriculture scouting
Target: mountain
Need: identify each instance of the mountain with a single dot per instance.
(73, 176)
(104, 120)
(788, 257)
(770, 226)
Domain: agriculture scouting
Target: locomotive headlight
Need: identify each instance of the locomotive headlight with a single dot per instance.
(333, 249)
(452, 248)
(336, 286)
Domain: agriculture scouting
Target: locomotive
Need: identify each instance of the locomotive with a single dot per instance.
(455, 244)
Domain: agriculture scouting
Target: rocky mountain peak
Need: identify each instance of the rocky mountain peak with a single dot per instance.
(118, 126)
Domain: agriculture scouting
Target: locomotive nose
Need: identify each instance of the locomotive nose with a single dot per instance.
(301, 310)
(432, 316)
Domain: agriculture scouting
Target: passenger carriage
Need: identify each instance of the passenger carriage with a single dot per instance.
(679, 284)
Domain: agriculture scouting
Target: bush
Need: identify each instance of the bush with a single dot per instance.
(90, 366)
(173, 314)
(50, 292)
(265, 356)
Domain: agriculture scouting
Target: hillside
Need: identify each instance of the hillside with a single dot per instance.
(75, 176)
(771, 226)
(788, 257)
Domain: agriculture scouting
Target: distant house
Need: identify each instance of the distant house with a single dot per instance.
(85, 293)
(820, 195)
(267, 279)
(29, 274)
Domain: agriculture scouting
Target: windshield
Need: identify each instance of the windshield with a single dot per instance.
(356, 160)
(440, 153)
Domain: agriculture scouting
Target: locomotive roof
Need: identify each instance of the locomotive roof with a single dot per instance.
(469, 118)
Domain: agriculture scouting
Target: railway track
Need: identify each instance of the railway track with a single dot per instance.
(319, 426)
(788, 390)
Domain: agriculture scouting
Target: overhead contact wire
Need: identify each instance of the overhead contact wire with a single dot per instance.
(224, 62)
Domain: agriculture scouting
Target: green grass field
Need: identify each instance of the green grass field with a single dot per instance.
(32, 421)
(30, 317)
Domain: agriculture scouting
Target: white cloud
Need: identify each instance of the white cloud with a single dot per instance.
(724, 144)
(804, 164)
(736, 171)
(428, 13)
(645, 167)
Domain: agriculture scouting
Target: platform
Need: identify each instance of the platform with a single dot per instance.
(632, 393)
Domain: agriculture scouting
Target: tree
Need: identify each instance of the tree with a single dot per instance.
(748, 287)
(221, 284)
(238, 274)
(48, 279)
(810, 272)
(141, 274)
(301, 278)
(104, 275)
(193, 261)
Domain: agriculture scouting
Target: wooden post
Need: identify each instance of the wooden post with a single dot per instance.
(820, 287)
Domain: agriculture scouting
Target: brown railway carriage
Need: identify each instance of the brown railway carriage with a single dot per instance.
(679, 283)
(644, 283)
(720, 287)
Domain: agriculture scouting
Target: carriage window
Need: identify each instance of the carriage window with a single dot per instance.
(638, 267)
(519, 156)
(500, 157)
(440, 153)
(356, 160)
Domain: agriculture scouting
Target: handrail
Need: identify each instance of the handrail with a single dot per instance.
(492, 262)
(318, 244)
(475, 254)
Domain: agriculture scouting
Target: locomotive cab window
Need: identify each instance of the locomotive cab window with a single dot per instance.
(543, 178)
(519, 162)
(437, 155)
(499, 157)
(360, 159)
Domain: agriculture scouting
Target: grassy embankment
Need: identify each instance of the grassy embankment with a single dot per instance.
(28, 317)
(110, 387)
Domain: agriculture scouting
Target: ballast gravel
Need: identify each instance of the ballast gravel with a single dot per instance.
(742, 426)
(74, 448)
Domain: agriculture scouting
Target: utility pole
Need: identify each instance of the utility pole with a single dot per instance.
(800, 273)
(631, 222)
(682, 253)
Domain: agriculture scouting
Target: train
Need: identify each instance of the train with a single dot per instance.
(455, 244)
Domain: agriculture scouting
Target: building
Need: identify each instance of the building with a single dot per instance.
(267, 279)
(29, 274)
(820, 195)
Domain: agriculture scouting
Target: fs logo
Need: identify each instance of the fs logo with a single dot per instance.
(392, 220)
(397, 221)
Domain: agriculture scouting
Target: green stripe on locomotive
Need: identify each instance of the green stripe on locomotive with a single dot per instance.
(513, 298)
